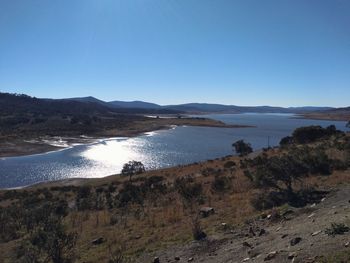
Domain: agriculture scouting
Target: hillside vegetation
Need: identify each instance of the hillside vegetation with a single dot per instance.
(134, 218)
(27, 123)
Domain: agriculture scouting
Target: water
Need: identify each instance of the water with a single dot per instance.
(181, 145)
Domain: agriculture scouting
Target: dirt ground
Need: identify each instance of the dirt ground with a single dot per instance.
(258, 239)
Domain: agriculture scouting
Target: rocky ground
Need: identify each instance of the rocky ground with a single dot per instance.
(298, 235)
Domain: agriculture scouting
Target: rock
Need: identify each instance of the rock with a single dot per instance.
(284, 235)
(177, 258)
(270, 256)
(251, 232)
(295, 241)
(98, 241)
(323, 199)
(261, 232)
(246, 244)
(311, 215)
(206, 211)
(200, 235)
(190, 259)
(278, 228)
(156, 260)
(287, 212)
(246, 259)
(313, 205)
(316, 233)
(253, 253)
(347, 244)
(292, 255)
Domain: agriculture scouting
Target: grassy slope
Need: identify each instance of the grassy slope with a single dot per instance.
(164, 221)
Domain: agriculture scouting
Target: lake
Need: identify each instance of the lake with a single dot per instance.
(180, 145)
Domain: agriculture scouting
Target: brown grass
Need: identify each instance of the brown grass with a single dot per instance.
(166, 221)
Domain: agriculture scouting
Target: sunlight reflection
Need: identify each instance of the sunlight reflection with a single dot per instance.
(111, 152)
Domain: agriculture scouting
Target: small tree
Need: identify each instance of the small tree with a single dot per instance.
(278, 171)
(133, 167)
(242, 148)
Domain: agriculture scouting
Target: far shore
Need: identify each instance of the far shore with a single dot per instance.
(326, 116)
(15, 146)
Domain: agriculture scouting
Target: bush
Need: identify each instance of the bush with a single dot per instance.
(130, 194)
(313, 133)
(188, 190)
(263, 201)
(337, 229)
(229, 164)
(242, 148)
(197, 231)
(221, 184)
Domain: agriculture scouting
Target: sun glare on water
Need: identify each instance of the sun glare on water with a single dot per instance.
(111, 152)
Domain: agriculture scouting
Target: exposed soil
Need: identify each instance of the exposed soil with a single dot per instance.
(18, 145)
(256, 239)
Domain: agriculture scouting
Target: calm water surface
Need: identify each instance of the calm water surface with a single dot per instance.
(181, 145)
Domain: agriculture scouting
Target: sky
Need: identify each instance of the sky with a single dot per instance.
(240, 52)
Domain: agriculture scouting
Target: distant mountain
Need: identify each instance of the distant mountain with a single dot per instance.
(219, 108)
(13, 104)
(132, 107)
(89, 99)
(134, 104)
(90, 104)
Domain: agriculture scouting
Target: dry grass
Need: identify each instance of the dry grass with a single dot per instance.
(165, 221)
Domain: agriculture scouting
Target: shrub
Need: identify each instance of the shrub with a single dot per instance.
(197, 231)
(221, 184)
(188, 190)
(286, 141)
(131, 168)
(313, 133)
(269, 200)
(130, 194)
(337, 229)
(242, 148)
(229, 164)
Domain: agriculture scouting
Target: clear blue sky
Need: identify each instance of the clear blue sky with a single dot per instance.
(281, 52)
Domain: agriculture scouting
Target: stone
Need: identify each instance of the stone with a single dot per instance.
(270, 256)
(323, 199)
(347, 244)
(190, 259)
(253, 253)
(251, 232)
(98, 241)
(206, 211)
(246, 259)
(316, 233)
(177, 258)
(261, 232)
(295, 241)
(156, 260)
(311, 215)
(284, 235)
(246, 244)
(292, 255)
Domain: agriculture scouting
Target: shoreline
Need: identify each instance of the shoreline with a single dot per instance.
(20, 147)
(325, 117)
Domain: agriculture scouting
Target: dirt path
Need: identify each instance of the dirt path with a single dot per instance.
(261, 237)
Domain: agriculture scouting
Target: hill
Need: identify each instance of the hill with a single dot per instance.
(135, 104)
(203, 107)
(330, 114)
(284, 204)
